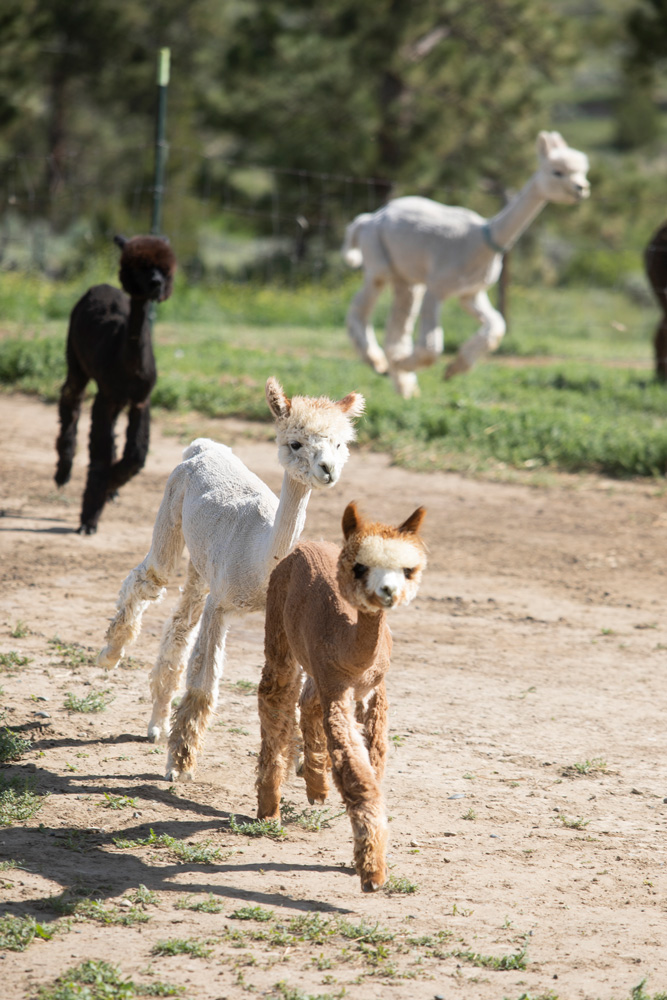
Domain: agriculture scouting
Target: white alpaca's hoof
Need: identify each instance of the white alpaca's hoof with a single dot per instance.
(108, 659)
(379, 363)
(406, 384)
(173, 774)
(456, 367)
(157, 733)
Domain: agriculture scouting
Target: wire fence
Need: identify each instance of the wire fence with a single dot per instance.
(238, 222)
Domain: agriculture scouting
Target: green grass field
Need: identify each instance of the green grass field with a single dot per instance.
(570, 389)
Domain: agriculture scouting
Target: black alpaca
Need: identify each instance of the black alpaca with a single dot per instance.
(109, 340)
(655, 261)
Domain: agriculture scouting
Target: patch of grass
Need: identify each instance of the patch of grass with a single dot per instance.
(245, 687)
(19, 631)
(595, 766)
(252, 913)
(16, 933)
(500, 963)
(313, 820)
(99, 980)
(94, 701)
(198, 854)
(119, 801)
(638, 993)
(470, 814)
(396, 884)
(73, 654)
(182, 946)
(208, 905)
(573, 824)
(257, 828)
(11, 660)
(18, 800)
(283, 991)
(120, 916)
(12, 745)
(10, 865)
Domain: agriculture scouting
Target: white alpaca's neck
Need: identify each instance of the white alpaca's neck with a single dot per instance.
(289, 522)
(507, 226)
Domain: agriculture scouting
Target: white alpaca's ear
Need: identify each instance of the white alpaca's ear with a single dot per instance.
(353, 404)
(352, 520)
(557, 141)
(544, 145)
(278, 402)
(413, 523)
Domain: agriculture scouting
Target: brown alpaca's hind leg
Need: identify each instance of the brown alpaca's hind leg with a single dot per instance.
(360, 789)
(316, 761)
(277, 698)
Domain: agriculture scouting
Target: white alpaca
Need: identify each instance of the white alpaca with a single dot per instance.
(236, 531)
(429, 252)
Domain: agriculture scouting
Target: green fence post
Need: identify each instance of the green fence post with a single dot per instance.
(160, 140)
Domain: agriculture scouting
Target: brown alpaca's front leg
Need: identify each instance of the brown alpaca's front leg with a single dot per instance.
(277, 697)
(360, 789)
(316, 761)
(374, 718)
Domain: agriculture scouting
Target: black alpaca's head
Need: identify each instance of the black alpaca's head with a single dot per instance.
(147, 266)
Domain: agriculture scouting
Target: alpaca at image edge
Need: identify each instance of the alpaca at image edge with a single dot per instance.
(236, 531)
(326, 613)
(655, 262)
(109, 341)
(429, 252)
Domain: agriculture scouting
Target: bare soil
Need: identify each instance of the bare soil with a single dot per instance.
(526, 784)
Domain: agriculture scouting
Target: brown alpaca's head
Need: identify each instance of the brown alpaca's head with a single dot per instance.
(147, 266)
(379, 566)
(313, 434)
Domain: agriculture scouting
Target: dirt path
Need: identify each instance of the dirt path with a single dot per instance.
(538, 643)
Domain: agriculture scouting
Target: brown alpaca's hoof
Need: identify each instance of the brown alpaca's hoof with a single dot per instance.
(86, 529)
(373, 882)
(456, 367)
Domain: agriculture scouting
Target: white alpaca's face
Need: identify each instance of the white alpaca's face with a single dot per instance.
(563, 175)
(387, 572)
(312, 460)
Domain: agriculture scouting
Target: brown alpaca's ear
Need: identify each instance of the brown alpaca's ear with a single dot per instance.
(352, 520)
(278, 402)
(353, 404)
(412, 525)
(120, 241)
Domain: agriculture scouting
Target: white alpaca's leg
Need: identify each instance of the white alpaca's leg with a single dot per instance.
(141, 586)
(177, 637)
(361, 329)
(146, 582)
(192, 716)
(399, 345)
(487, 337)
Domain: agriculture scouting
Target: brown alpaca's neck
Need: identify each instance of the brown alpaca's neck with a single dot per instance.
(366, 640)
(139, 324)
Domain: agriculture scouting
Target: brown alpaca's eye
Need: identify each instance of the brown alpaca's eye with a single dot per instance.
(408, 572)
(358, 569)
(295, 445)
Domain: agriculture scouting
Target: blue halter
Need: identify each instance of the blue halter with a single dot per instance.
(489, 240)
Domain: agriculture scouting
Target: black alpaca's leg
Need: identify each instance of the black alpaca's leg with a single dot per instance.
(136, 447)
(102, 454)
(660, 346)
(69, 410)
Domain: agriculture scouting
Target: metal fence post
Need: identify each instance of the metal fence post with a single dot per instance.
(160, 140)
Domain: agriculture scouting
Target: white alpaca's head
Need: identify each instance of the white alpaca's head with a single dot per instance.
(561, 174)
(379, 566)
(313, 434)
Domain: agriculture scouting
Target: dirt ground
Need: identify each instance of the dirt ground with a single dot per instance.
(526, 783)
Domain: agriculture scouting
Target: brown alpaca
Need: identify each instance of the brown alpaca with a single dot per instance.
(326, 613)
(655, 261)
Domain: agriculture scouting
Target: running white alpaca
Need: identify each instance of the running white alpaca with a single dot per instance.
(236, 531)
(430, 252)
